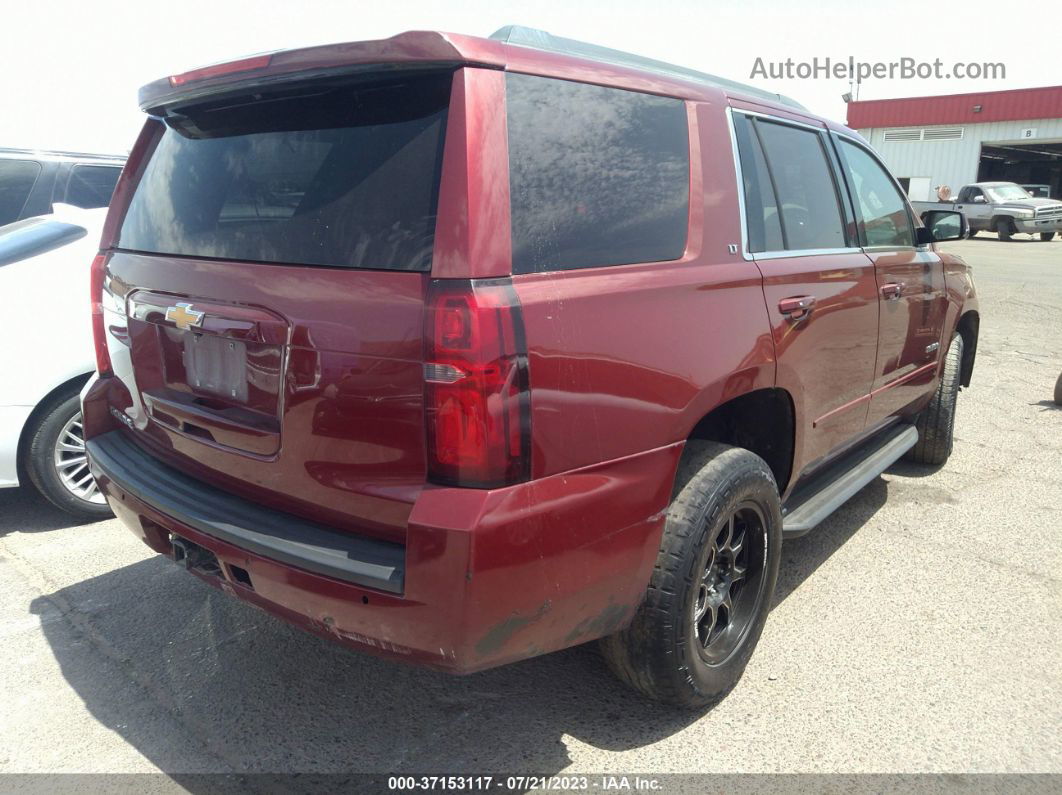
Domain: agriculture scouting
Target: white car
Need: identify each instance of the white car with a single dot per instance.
(48, 355)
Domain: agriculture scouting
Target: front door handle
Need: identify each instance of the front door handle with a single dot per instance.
(891, 291)
(798, 307)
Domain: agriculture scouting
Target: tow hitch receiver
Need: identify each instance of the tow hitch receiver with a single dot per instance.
(194, 557)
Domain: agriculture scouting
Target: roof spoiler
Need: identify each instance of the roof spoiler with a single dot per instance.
(541, 40)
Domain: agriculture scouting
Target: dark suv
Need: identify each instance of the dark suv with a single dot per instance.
(32, 181)
(461, 351)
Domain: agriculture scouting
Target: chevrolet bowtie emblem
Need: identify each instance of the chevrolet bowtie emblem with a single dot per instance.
(183, 316)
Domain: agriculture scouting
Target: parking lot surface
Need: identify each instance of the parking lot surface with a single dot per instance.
(918, 629)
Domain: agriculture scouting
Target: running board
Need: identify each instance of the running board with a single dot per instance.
(839, 481)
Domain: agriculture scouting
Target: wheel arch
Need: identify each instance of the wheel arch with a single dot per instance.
(1002, 217)
(762, 421)
(73, 384)
(968, 328)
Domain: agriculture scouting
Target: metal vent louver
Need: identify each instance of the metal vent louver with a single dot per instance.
(903, 135)
(931, 134)
(942, 134)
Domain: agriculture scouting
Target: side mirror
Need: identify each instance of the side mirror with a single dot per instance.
(941, 225)
(979, 199)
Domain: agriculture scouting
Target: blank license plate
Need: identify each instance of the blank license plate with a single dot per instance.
(216, 365)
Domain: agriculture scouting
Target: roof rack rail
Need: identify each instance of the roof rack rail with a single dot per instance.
(10, 150)
(541, 40)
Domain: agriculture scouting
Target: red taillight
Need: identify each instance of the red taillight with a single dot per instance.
(477, 403)
(99, 333)
(217, 70)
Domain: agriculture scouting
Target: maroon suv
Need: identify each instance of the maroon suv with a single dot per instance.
(464, 350)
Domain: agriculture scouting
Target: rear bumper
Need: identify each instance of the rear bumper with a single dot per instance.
(486, 577)
(281, 537)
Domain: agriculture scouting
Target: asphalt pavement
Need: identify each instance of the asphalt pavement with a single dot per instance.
(918, 629)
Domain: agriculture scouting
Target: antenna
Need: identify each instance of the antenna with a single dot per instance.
(541, 40)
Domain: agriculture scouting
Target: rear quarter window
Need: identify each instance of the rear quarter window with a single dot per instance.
(91, 186)
(340, 176)
(16, 181)
(598, 176)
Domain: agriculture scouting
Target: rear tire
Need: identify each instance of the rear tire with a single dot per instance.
(710, 590)
(936, 423)
(1058, 391)
(1047, 237)
(1003, 228)
(47, 453)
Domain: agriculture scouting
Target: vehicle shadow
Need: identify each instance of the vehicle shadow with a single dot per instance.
(26, 511)
(198, 682)
(1049, 405)
(910, 469)
(801, 557)
(993, 238)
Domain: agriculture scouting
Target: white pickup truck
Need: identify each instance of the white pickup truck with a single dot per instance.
(1004, 208)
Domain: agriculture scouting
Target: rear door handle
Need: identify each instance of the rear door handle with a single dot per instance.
(798, 307)
(891, 291)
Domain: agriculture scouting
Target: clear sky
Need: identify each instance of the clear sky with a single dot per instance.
(70, 69)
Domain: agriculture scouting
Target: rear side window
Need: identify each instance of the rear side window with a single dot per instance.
(91, 186)
(16, 182)
(761, 207)
(808, 203)
(598, 176)
(342, 176)
(880, 205)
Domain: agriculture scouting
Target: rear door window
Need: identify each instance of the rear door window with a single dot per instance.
(91, 186)
(761, 206)
(16, 181)
(801, 174)
(341, 176)
(598, 176)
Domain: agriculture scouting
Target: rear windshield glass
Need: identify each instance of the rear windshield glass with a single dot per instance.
(340, 176)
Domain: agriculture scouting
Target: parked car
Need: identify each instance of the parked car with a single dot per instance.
(32, 181)
(1004, 208)
(461, 351)
(1038, 191)
(44, 268)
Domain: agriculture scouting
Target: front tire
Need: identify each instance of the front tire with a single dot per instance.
(1003, 228)
(56, 462)
(936, 423)
(1058, 391)
(1047, 237)
(710, 590)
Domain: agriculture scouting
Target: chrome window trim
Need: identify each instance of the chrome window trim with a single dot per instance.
(782, 120)
(851, 138)
(745, 255)
(803, 252)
